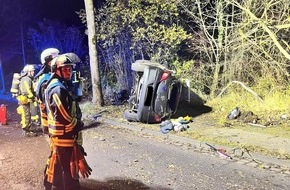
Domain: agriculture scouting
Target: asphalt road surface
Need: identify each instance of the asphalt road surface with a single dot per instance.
(123, 159)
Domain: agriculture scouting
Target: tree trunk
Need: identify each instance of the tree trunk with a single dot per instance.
(2, 90)
(95, 75)
(219, 49)
(22, 36)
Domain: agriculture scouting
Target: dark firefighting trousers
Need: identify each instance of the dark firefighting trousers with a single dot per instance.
(62, 178)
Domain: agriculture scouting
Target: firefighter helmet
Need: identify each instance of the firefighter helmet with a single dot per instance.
(28, 68)
(73, 57)
(48, 54)
(61, 61)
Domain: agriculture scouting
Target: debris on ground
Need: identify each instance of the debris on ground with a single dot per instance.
(234, 114)
(249, 118)
(221, 152)
(178, 125)
(166, 126)
(257, 125)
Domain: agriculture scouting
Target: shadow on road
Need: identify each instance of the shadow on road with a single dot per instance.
(117, 184)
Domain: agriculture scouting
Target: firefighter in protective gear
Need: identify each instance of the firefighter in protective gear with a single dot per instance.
(41, 78)
(25, 98)
(64, 125)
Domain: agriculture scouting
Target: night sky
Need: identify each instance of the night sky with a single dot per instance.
(29, 13)
(63, 10)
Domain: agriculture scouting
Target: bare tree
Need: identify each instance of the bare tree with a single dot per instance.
(211, 40)
(264, 41)
(238, 40)
(55, 34)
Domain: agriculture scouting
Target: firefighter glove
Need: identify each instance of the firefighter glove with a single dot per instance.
(74, 170)
(85, 169)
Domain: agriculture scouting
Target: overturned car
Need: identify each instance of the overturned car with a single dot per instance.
(155, 95)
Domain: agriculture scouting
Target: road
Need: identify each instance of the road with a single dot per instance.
(123, 159)
(133, 160)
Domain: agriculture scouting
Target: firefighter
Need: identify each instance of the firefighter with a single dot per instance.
(64, 125)
(41, 78)
(25, 98)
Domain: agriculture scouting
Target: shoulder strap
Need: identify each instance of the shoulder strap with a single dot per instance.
(52, 84)
(42, 79)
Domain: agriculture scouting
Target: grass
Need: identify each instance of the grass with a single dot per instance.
(210, 119)
(276, 103)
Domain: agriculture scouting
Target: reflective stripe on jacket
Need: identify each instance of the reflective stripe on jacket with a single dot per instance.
(26, 87)
(60, 105)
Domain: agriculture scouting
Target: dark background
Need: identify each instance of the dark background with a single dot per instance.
(14, 13)
(62, 10)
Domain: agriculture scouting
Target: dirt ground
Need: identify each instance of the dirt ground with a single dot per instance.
(205, 127)
(20, 158)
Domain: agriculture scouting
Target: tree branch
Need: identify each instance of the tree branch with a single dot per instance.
(245, 87)
(266, 28)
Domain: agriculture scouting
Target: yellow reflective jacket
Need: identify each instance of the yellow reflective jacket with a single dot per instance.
(27, 87)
